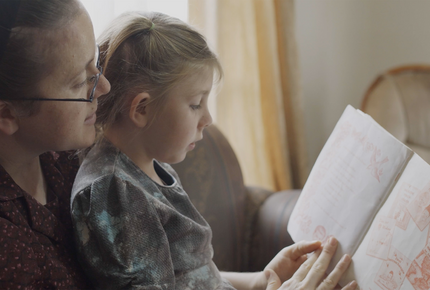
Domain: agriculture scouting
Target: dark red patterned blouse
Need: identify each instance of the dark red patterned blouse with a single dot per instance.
(36, 246)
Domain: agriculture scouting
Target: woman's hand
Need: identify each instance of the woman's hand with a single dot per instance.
(310, 274)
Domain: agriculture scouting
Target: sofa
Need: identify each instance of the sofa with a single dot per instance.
(249, 223)
(399, 100)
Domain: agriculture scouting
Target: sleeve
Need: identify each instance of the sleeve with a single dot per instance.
(18, 263)
(120, 238)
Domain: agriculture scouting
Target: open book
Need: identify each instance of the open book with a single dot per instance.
(372, 193)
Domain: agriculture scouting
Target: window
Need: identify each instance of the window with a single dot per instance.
(102, 12)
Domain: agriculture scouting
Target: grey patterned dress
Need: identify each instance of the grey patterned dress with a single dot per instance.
(132, 233)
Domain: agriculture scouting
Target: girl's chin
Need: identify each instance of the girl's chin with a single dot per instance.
(175, 160)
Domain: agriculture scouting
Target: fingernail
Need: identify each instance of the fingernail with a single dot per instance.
(346, 258)
(353, 284)
(333, 241)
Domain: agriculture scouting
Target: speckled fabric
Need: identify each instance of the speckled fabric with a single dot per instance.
(133, 233)
(36, 246)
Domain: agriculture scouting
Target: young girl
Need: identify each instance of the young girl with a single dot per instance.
(135, 226)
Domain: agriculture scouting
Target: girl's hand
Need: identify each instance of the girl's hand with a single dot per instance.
(311, 272)
(289, 259)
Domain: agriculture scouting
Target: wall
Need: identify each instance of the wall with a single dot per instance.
(344, 44)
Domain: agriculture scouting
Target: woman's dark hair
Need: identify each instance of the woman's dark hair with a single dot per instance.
(25, 61)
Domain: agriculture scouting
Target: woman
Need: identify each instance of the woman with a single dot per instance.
(49, 85)
(48, 54)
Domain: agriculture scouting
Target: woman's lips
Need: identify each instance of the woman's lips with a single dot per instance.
(91, 119)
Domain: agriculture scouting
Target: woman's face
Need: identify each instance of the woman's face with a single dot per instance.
(66, 125)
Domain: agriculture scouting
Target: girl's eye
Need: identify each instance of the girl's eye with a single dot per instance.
(195, 107)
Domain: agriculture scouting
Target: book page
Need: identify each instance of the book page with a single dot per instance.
(395, 253)
(350, 180)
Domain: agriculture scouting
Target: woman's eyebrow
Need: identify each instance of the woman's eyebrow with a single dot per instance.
(88, 63)
(80, 71)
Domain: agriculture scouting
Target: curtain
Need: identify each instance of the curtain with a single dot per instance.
(258, 106)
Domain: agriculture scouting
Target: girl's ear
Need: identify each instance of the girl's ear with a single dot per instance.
(8, 119)
(139, 109)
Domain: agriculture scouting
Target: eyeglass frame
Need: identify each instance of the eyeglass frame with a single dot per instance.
(89, 100)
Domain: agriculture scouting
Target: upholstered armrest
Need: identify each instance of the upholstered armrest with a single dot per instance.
(212, 177)
(270, 233)
(254, 199)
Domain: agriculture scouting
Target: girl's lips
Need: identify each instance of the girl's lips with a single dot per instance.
(91, 120)
(192, 145)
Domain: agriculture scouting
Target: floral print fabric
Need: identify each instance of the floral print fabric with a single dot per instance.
(36, 246)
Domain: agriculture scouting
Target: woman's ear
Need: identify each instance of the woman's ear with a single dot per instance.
(8, 119)
(139, 109)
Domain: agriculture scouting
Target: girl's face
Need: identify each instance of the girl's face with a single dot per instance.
(66, 125)
(180, 122)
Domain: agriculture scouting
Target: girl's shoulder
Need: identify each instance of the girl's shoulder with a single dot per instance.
(99, 161)
(105, 164)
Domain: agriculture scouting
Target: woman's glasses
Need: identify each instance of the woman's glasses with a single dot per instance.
(94, 79)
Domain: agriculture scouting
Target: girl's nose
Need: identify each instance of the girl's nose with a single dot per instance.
(207, 118)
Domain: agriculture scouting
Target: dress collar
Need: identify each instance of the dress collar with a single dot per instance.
(9, 190)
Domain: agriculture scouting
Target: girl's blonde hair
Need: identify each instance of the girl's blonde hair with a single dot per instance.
(148, 52)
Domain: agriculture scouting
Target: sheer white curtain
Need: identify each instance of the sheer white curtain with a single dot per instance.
(259, 106)
(103, 11)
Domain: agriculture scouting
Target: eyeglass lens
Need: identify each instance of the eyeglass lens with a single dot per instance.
(97, 76)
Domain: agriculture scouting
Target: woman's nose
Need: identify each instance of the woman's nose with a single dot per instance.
(103, 87)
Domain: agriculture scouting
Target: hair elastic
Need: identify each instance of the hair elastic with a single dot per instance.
(152, 26)
(8, 13)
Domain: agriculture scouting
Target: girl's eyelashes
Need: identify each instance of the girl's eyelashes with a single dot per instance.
(199, 100)
(195, 107)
